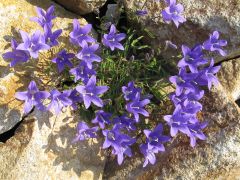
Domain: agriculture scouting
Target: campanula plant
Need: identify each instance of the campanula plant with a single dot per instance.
(120, 86)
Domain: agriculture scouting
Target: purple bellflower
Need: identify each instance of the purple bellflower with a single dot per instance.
(59, 100)
(149, 154)
(196, 132)
(84, 132)
(130, 91)
(113, 137)
(192, 96)
(178, 121)
(184, 81)
(191, 106)
(120, 142)
(102, 118)
(213, 44)
(75, 98)
(136, 107)
(82, 72)
(90, 93)
(124, 149)
(192, 58)
(33, 44)
(173, 13)
(207, 76)
(125, 122)
(32, 97)
(87, 54)
(44, 17)
(155, 137)
(17, 56)
(51, 37)
(63, 59)
(80, 34)
(112, 39)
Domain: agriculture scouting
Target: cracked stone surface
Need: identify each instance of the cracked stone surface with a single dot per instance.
(15, 16)
(82, 7)
(203, 17)
(229, 76)
(217, 157)
(41, 150)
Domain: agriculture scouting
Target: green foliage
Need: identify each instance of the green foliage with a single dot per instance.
(136, 63)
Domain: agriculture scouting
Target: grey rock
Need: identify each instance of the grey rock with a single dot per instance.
(229, 76)
(42, 148)
(82, 7)
(203, 17)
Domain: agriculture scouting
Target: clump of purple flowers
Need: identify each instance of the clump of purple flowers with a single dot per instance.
(193, 76)
(120, 131)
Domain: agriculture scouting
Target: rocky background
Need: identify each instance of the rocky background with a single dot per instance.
(41, 147)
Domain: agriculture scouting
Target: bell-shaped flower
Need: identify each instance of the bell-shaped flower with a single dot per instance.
(33, 44)
(32, 97)
(124, 149)
(136, 107)
(155, 137)
(59, 100)
(149, 153)
(192, 58)
(75, 97)
(214, 44)
(178, 121)
(112, 39)
(130, 91)
(82, 72)
(51, 38)
(173, 13)
(84, 132)
(63, 59)
(196, 132)
(102, 118)
(191, 106)
(125, 122)
(184, 81)
(207, 75)
(87, 54)
(44, 17)
(80, 34)
(90, 93)
(17, 56)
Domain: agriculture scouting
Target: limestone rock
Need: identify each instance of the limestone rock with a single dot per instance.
(42, 149)
(217, 157)
(15, 16)
(229, 77)
(82, 6)
(203, 17)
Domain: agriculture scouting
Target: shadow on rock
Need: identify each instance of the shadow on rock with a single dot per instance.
(84, 158)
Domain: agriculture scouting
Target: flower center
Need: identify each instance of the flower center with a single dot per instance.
(111, 136)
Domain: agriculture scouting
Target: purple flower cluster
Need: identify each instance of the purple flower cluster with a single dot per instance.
(87, 93)
(120, 131)
(193, 75)
(31, 45)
